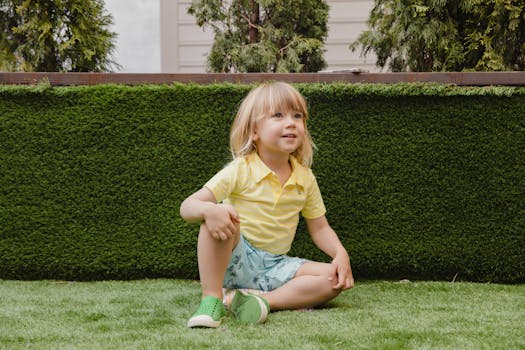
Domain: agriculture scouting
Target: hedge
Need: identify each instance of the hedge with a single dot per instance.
(421, 181)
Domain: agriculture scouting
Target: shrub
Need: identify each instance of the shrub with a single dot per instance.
(420, 180)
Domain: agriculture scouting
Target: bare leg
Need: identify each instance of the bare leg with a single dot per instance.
(214, 256)
(309, 287)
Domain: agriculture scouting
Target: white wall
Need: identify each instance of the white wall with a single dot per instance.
(346, 20)
(137, 23)
(158, 36)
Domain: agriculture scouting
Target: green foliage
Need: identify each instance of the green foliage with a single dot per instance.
(444, 35)
(57, 35)
(420, 181)
(264, 35)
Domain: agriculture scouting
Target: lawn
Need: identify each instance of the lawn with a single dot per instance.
(152, 314)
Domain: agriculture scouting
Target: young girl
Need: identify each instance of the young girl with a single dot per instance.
(249, 213)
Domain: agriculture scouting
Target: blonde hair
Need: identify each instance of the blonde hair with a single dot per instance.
(264, 100)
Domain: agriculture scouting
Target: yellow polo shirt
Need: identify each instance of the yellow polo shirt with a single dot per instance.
(269, 213)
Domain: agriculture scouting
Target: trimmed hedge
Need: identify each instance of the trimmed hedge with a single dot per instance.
(420, 181)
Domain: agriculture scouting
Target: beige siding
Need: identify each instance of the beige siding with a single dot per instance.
(184, 45)
(347, 19)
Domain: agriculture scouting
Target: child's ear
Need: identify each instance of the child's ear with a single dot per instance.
(255, 136)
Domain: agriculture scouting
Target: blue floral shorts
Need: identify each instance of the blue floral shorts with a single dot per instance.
(254, 268)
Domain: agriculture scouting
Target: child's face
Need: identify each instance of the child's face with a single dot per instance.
(281, 132)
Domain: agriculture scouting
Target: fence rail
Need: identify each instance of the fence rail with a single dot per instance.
(457, 78)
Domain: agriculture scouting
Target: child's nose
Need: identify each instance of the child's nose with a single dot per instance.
(290, 120)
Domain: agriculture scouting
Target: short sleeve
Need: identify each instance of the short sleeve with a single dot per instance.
(223, 183)
(314, 205)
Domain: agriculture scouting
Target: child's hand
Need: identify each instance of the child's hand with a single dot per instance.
(341, 274)
(222, 221)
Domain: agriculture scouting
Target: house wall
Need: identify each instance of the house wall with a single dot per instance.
(137, 45)
(184, 45)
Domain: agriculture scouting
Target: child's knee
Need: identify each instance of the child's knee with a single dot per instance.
(328, 287)
(205, 233)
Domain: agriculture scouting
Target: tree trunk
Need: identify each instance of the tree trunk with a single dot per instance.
(254, 21)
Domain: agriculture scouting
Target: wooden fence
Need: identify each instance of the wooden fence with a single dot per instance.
(458, 78)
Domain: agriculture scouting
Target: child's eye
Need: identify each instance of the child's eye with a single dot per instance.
(278, 115)
(298, 116)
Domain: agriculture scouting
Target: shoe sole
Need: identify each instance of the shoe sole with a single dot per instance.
(264, 309)
(203, 321)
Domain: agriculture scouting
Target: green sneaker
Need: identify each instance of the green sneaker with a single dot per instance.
(249, 308)
(209, 313)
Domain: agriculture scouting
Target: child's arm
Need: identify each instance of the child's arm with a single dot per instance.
(220, 219)
(326, 239)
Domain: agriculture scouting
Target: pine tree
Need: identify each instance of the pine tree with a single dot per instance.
(444, 35)
(55, 35)
(264, 35)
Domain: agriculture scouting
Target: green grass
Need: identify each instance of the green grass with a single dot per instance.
(152, 314)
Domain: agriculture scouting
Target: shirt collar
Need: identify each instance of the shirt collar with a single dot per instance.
(261, 170)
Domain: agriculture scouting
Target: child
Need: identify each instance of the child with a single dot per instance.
(249, 213)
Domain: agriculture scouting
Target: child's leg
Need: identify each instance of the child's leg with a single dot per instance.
(309, 287)
(214, 256)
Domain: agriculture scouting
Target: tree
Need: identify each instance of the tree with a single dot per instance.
(445, 35)
(55, 35)
(264, 35)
